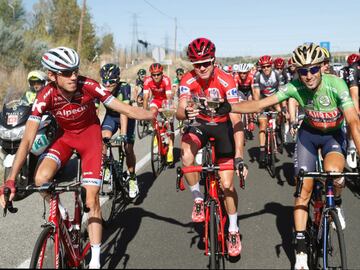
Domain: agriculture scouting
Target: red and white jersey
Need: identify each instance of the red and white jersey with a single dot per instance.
(158, 90)
(72, 115)
(220, 81)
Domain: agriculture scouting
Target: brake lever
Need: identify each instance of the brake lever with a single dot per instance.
(8, 204)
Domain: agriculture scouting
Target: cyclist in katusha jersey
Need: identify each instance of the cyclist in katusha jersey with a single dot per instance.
(327, 104)
(110, 78)
(139, 87)
(159, 86)
(266, 83)
(205, 80)
(291, 71)
(37, 79)
(245, 86)
(351, 75)
(70, 98)
(279, 65)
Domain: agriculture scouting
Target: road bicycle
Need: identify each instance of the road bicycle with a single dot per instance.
(270, 142)
(114, 185)
(248, 131)
(215, 213)
(326, 244)
(143, 128)
(161, 135)
(63, 243)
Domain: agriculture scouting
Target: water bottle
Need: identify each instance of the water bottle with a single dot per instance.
(318, 203)
(75, 234)
(330, 194)
(198, 157)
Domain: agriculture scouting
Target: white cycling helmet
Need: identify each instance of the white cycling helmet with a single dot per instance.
(235, 67)
(226, 68)
(60, 59)
(37, 75)
(244, 67)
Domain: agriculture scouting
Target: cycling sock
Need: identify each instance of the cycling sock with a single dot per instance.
(351, 144)
(262, 148)
(233, 227)
(195, 190)
(300, 242)
(95, 255)
(338, 200)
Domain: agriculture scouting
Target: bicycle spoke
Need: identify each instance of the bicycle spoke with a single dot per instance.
(335, 248)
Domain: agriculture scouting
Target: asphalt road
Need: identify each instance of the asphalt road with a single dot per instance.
(156, 230)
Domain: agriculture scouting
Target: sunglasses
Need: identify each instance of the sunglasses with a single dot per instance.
(263, 67)
(304, 71)
(68, 73)
(111, 81)
(243, 73)
(156, 75)
(205, 64)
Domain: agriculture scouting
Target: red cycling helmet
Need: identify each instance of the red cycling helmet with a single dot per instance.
(201, 50)
(156, 68)
(279, 62)
(353, 58)
(265, 60)
(290, 63)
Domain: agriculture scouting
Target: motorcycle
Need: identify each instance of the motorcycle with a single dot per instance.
(13, 118)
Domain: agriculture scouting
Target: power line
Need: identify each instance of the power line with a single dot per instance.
(158, 10)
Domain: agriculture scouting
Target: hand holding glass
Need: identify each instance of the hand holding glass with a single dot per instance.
(213, 102)
(192, 102)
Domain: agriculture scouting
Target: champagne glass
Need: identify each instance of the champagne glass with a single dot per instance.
(168, 108)
(213, 102)
(193, 101)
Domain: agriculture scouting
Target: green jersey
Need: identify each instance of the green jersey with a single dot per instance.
(323, 107)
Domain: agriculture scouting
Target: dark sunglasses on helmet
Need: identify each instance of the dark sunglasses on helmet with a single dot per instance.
(205, 64)
(304, 71)
(109, 81)
(68, 73)
(263, 67)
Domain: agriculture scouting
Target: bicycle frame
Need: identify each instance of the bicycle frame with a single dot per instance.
(163, 132)
(270, 131)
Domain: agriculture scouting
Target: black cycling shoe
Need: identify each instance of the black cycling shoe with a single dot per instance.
(171, 165)
(262, 162)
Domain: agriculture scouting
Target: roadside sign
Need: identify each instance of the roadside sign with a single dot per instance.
(158, 54)
(325, 44)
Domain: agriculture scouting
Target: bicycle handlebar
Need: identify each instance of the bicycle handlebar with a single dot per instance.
(328, 175)
(221, 167)
(51, 187)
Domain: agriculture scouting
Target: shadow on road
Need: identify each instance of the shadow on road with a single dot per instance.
(284, 224)
(124, 228)
(288, 173)
(145, 182)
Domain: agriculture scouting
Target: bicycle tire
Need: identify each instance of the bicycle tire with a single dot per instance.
(335, 253)
(109, 189)
(142, 128)
(46, 240)
(272, 156)
(216, 259)
(313, 245)
(156, 158)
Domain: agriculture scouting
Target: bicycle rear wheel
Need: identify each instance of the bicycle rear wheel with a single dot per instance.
(313, 244)
(43, 255)
(270, 153)
(109, 192)
(217, 260)
(335, 252)
(142, 128)
(156, 158)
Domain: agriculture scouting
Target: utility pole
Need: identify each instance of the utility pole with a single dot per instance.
(81, 26)
(175, 38)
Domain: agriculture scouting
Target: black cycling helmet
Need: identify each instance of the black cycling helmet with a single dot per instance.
(141, 72)
(179, 71)
(109, 72)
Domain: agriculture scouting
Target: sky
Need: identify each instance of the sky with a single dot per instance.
(237, 28)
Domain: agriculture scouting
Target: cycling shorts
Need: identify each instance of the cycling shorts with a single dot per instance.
(310, 140)
(88, 143)
(112, 124)
(156, 103)
(222, 133)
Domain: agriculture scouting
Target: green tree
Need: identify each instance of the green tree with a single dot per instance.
(12, 13)
(11, 45)
(107, 44)
(89, 42)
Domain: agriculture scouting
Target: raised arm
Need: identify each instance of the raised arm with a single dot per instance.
(254, 105)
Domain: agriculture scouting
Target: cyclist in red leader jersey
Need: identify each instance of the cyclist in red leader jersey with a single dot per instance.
(159, 86)
(204, 78)
(70, 98)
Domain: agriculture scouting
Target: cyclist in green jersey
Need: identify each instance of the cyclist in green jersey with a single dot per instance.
(327, 104)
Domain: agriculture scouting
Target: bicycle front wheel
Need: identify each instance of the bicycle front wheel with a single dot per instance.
(109, 191)
(44, 254)
(335, 252)
(217, 260)
(156, 158)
